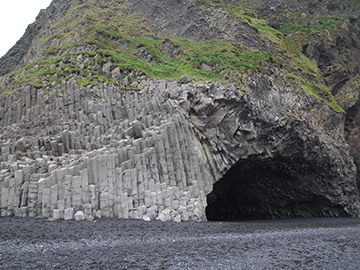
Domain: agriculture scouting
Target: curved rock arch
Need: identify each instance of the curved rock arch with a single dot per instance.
(171, 149)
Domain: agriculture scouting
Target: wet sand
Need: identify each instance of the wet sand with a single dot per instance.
(112, 243)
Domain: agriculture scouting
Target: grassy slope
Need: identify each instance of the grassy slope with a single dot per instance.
(118, 38)
(300, 70)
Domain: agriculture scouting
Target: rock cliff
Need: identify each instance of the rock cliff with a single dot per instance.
(99, 119)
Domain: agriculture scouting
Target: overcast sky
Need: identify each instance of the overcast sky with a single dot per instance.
(15, 16)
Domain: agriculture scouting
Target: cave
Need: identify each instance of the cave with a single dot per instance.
(276, 188)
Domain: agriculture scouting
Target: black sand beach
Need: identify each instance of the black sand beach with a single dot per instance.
(27, 243)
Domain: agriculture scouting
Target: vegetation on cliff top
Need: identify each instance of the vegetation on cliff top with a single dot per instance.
(304, 31)
(94, 33)
(294, 63)
(122, 39)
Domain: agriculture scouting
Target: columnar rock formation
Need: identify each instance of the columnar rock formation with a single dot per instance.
(155, 150)
(102, 151)
(256, 133)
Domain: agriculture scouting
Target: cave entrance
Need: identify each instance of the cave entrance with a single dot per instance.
(258, 188)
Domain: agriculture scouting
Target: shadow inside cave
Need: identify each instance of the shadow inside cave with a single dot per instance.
(258, 188)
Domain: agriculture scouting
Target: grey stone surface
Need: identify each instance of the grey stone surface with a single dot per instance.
(157, 153)
(79, 215)
(69, 213)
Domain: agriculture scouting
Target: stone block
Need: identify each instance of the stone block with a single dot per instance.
(159, 198)
(61, 174)
(183, 213)
(148, 198)
(124, 206)
(152, 211)
(11, 158)
(33, 199)
(134, 187)
(157, 188)
(117, 208)
(175, 204)
(28, 169)
(175, 216)
(141, 211)
(183, 201)
(127, 180)
(24, 211)
(52, 168)
(76, 192)
(68, 191)
(60, 149)
(3, 212)
(61, 205)
(130, 201)
(69, 213)
(4, 198)
(163, 186)
(165, 215)
(104, 204)
(84, 187)
(92, 196)
(57, 214)
(17, 212)
(53, 196)
(119, 181)
(45, 212)
(98, 214)
(151, 185)
(79, 215)
(198, 214)
(24, 191)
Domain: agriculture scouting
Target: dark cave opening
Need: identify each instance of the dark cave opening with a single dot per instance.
(268, 189)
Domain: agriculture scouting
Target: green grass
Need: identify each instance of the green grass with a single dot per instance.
(309, 25)
(282, 51)
(118, 37)
(321, 92)
(220, 55)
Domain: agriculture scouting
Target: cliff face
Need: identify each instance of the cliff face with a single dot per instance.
(328, 33)
(90, 127)
(11, 61)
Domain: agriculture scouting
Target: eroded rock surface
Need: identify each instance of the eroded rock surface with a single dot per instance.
(95, 137)
(155, 152)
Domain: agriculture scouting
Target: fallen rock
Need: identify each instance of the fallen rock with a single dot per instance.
(79, 215)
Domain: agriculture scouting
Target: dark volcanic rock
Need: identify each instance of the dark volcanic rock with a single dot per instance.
(186, 19)
(283, 165)
(352, 134)
(317, 7)
(139, 148)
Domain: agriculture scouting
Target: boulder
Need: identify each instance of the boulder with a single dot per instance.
(79, 215)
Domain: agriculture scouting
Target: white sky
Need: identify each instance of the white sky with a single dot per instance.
(15, 16)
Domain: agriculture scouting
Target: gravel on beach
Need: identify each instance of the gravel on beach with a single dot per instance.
(110, 243)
